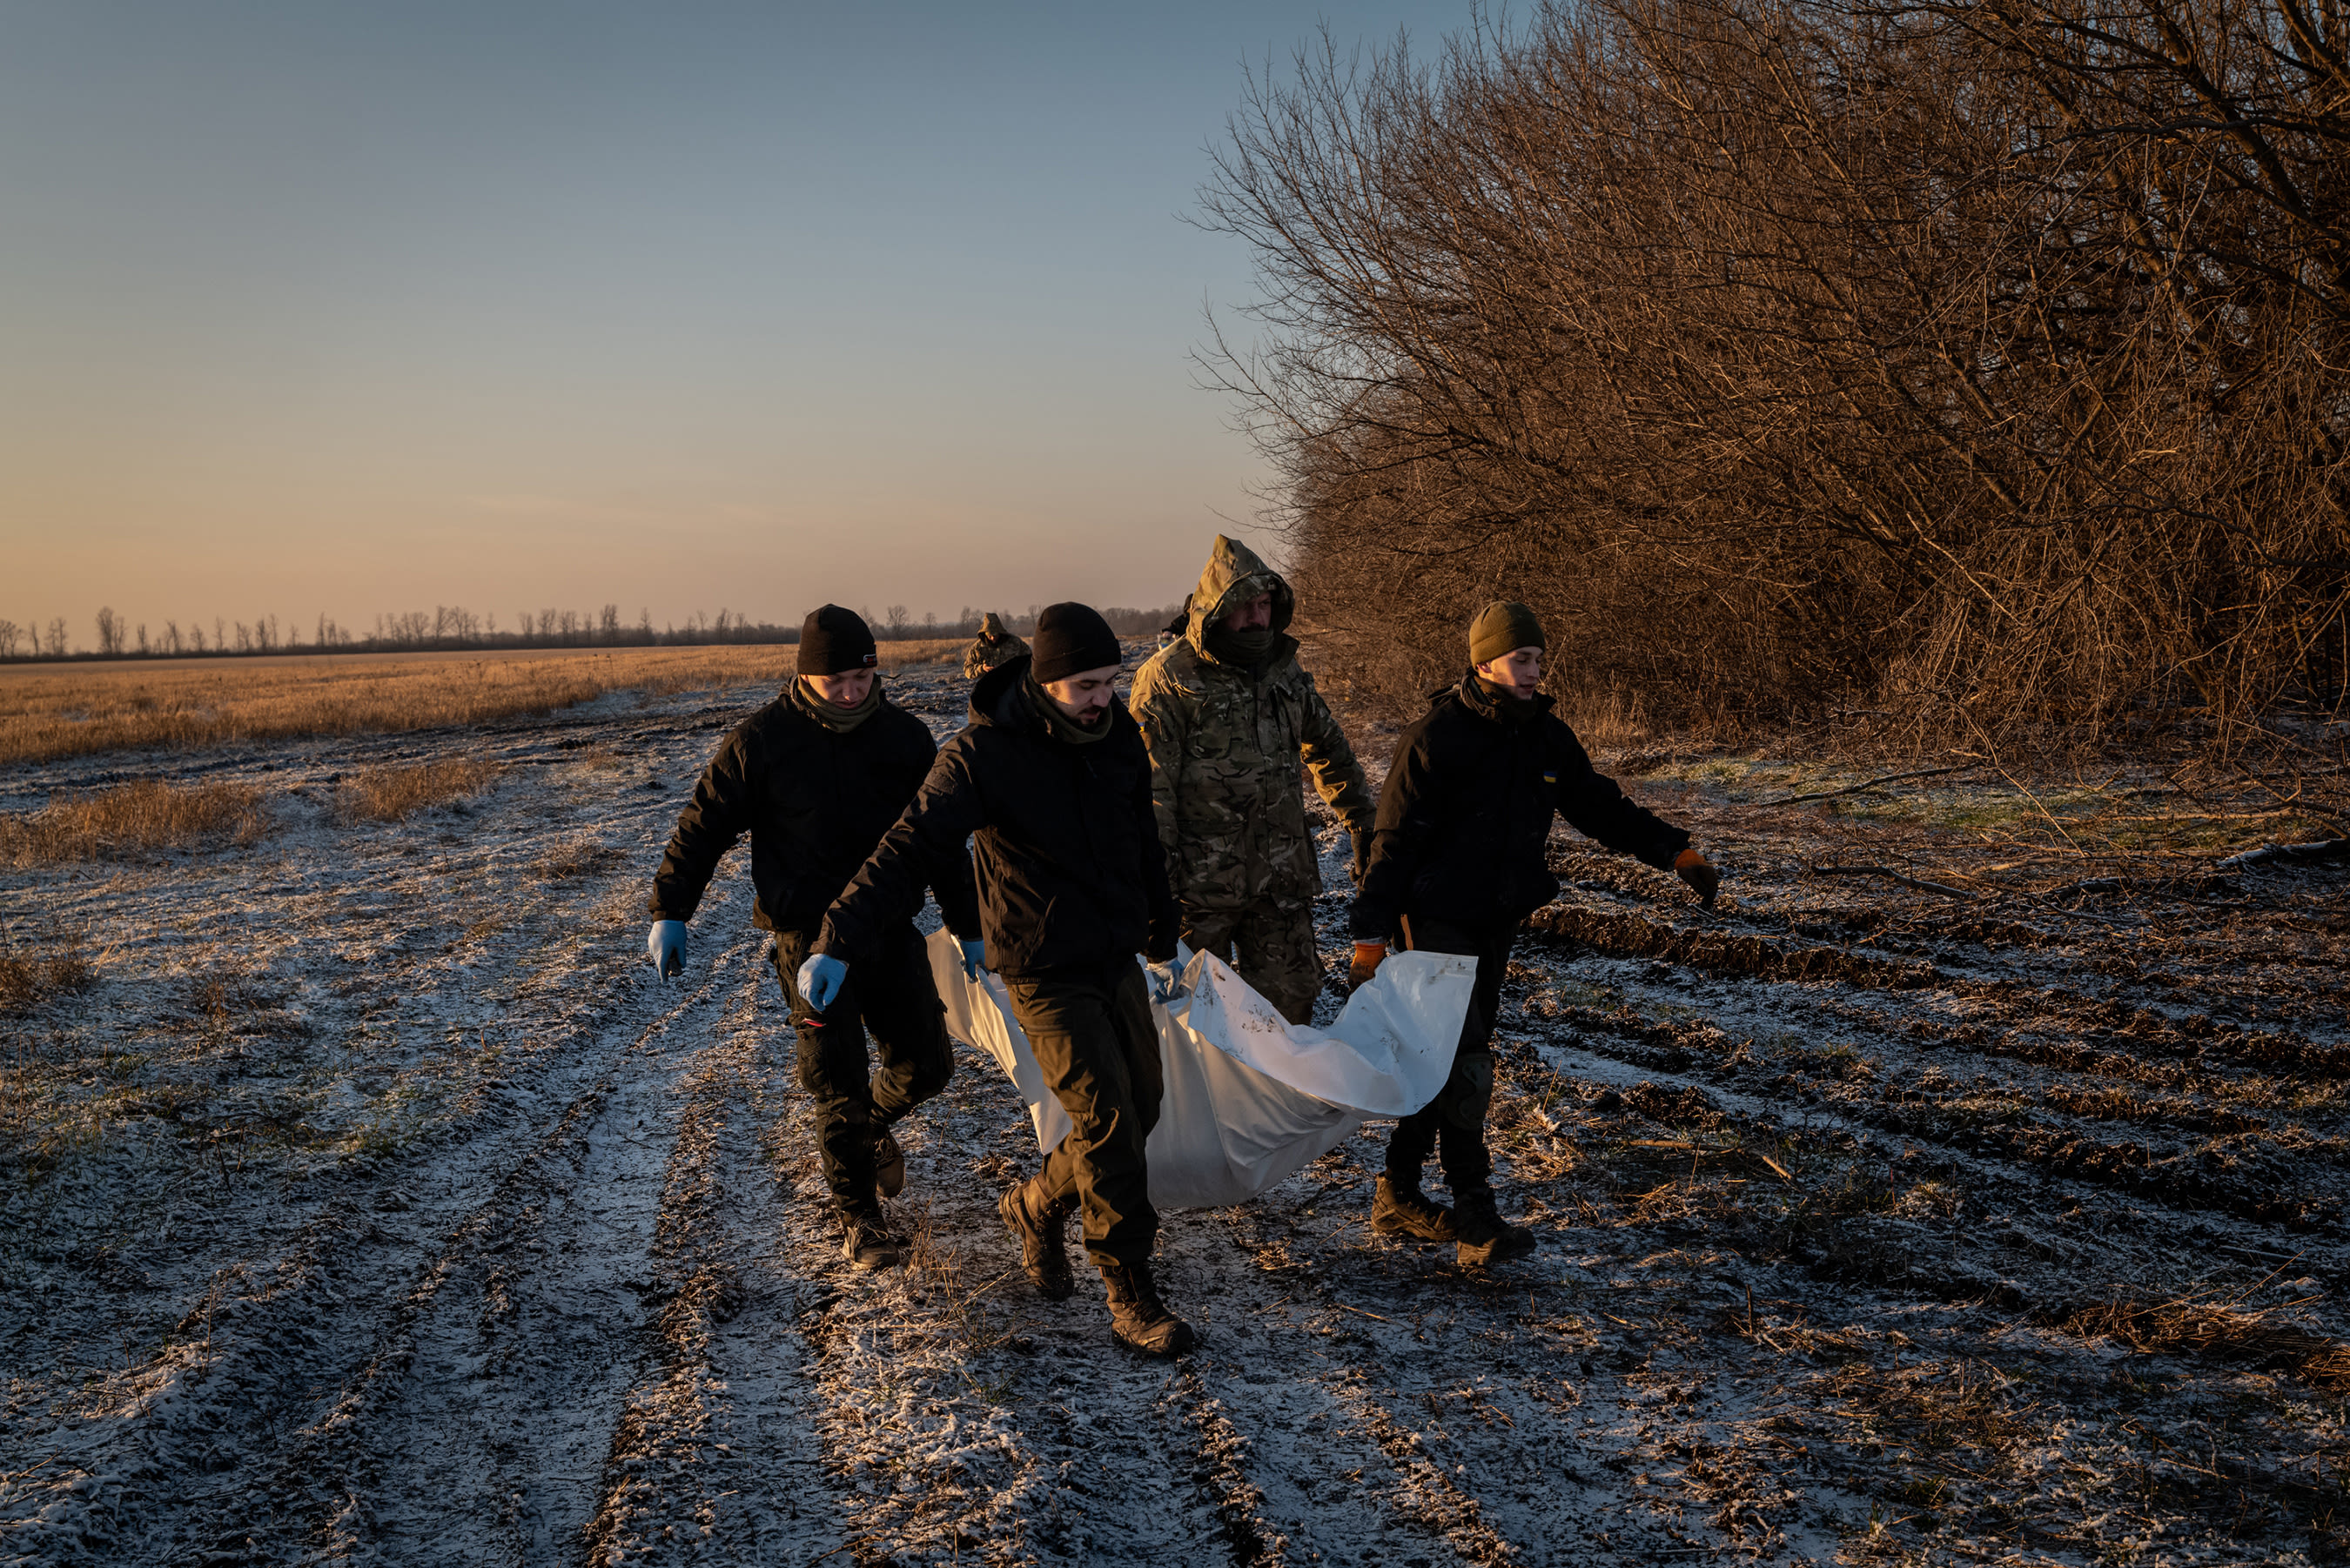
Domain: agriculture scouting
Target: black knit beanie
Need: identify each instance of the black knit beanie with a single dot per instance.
(1071, 638)
(834, 642)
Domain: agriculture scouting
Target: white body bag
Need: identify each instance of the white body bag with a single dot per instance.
(1250, 1096)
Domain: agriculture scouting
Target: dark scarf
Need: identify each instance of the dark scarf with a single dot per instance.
(838, 719)
(1059, 725)
(1241, 649)
(1506, 704)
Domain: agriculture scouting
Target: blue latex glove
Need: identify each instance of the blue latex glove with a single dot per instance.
(1164, 984)
(665, 945)
(974, 959)
(820, 980)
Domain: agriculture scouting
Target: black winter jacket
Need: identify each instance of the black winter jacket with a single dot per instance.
(814, 801)
(1069, 870)
(1465, 813)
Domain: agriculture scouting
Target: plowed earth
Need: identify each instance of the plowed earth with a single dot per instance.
(376, 1204)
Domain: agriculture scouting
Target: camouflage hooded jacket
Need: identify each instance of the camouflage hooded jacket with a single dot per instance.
(1225, 745)
(991, 647)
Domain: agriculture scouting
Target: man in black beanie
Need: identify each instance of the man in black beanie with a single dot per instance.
(1457, 861)
(816, 777)
(1051, 784)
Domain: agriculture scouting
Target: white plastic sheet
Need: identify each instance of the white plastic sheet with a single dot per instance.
(1250, 1096)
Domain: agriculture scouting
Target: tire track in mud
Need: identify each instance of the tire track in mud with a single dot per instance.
(713, 1453)
(287, 1409)
(1452, 1437)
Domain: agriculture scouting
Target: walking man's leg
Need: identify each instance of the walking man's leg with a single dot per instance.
(832, 1070)
(1279, 956)
(1093, 1037)
(900, 1008)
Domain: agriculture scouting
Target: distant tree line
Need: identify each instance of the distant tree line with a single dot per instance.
(1987, 361)
(453, 626)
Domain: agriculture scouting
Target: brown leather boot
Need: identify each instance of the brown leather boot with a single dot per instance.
(1038, 1226)
(1139, 1320)
(1486, 1237)
(1400, 1209)
(866, 1244)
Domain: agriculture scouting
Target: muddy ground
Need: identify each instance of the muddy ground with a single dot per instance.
(374, 1202)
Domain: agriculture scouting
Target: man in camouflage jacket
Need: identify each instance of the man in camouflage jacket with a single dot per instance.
(991, 647)
(1228, 714)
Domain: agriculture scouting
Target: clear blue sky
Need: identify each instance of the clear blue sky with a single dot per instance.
(313, 305)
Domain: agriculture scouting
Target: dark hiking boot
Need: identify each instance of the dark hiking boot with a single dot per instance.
(1402, 1209)
(1486, 1237)
(1139, 1320)
(889, 1163)
(866, 1244)
(1041, 1254)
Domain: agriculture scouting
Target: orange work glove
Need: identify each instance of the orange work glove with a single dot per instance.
(1703, 879)
(1368, 956)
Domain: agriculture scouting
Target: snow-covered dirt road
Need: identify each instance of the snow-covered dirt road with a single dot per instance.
(377, 1204)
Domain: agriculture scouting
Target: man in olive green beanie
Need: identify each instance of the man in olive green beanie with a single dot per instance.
(1500, 627)
(1457, 861)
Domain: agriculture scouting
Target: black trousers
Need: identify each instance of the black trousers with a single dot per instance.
(1453, 1125)
(893, 996)
(1093, 1036)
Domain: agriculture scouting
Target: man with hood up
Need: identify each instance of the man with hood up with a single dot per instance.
(1229, 714)
(1050, 785)
(991, 647)
(1458, 861)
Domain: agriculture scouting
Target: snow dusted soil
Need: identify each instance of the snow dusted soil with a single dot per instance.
(377, 1204)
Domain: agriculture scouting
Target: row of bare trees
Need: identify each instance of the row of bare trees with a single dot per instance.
(1986, 360)
(452, 626)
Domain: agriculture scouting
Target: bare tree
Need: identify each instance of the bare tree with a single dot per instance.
(9, 633)
(109, 633)
(142, 639)
(61, 643)
(1782, 353)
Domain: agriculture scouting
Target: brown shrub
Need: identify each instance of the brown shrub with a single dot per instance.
(31, 980)
(392, 794)
(582, 858)
(145, 816)
(2219, 1333)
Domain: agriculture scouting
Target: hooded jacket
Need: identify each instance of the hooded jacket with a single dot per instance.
(815, 801)
(1226, 742)
(1069, 871)
(1465, 815)
(991, 647)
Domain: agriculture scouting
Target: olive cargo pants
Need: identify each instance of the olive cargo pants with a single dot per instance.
(1277, 953)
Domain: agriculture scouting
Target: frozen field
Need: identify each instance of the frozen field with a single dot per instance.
(375, 1203)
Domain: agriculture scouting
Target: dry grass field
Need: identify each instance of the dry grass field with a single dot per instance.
(48, 712)
(1967, 1187)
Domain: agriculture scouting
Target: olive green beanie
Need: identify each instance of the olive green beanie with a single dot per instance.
(1500, 627)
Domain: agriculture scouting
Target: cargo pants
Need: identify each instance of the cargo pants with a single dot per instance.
(1277, 953)
(1453, 1125)
(1092, 1033)
(892, 995)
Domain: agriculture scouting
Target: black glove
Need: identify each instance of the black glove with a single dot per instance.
(1362, 855)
